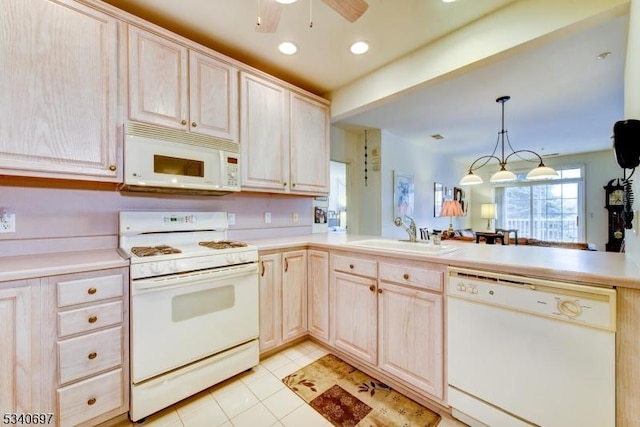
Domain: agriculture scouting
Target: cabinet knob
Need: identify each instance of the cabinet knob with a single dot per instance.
(194, 124)
(92, 355)
(92, 291)
(91, 401)
(112, 168)
(184, 122)
(93, 319)
(351, 266)
(406, 276)
(372, 288)
(284, 184)
(379, 291)
(293, 185)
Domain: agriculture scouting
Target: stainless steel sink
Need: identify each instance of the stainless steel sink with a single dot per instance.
(404, 246)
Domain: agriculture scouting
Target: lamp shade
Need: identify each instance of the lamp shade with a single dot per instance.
(488, 211)
(542, 172)
(503, 176)
(451, 208)
(471, 179)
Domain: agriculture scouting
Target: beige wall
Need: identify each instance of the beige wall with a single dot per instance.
(49, 219)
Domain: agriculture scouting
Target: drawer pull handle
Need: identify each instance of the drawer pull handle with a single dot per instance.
(92, 355)
(92, 291)
(93, 319)
(91, 401)
(406, 276)
(351, 266)
(372, 288)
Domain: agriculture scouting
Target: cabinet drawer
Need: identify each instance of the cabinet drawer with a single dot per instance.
(89, 290)
(87, 399)
(413, 275)
(88, 354)
(89, 318)
(359, 266)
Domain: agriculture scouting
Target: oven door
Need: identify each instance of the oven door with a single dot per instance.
(182, 318)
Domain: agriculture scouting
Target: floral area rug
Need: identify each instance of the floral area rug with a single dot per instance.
(347, 397)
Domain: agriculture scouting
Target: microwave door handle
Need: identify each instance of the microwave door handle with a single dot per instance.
(195, 278)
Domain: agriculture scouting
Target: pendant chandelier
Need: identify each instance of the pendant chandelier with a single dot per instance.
(503, 175)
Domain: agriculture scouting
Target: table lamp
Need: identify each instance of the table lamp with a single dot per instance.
(488, 212)
(451, 208)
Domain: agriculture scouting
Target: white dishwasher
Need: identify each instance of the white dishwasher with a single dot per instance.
(525, 351)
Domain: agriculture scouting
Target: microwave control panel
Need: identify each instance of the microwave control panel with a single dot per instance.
(232, 172)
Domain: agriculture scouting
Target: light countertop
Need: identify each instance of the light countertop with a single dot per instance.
(596, 267)
(29, 266)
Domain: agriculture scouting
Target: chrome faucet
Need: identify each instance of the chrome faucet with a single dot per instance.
(411, 229)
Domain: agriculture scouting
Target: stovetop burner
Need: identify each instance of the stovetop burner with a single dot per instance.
(223, 244)
(143, 251)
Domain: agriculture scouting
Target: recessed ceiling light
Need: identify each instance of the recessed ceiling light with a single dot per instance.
(358, 48)
(288, 48)
(603, 55)
(448, 1)
(286, 1)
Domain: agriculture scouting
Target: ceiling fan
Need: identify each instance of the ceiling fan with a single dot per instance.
(269, 12)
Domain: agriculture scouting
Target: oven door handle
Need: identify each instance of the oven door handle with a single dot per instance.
(195, 277)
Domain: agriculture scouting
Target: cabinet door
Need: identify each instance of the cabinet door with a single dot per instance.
(354, 320)
(59, 81)
(264, 135)
(309, 145)
(157, 80)
(213, 97)
(411, 336)
(294, 294)
(318, 290)
(270, 301)
(18, 350)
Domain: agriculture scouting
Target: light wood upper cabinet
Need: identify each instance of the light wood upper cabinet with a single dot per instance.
(309, 145)
(59, 84)
(158, 80)
(294, 294)
(284, 139)
(270, 301)
(318, 294)
(264, 134)
(170, 85)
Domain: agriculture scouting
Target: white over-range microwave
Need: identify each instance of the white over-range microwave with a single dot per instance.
(172, 161)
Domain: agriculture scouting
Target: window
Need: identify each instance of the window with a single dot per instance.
(545, 210)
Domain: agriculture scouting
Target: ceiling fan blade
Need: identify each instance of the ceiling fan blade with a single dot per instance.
(268, 16)
(350, 10)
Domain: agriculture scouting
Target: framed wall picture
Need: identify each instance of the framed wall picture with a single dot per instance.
(402, 194)
(438, 197)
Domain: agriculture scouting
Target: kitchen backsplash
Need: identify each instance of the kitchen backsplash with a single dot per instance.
(67, 219)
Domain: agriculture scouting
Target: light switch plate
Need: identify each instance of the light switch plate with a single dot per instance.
(267, 217)
(231, 219)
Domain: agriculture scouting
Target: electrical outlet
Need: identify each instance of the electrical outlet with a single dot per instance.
(294, 217)
(267, 217)
(8, 223)
(231, 218)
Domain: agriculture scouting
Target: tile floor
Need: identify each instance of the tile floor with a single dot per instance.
(252, 399)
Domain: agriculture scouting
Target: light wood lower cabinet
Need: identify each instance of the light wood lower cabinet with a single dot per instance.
(354, 317)
(283, 298)
(389, 314)
(20, 367)
(410, 336)
(91, 345)
(318, 294)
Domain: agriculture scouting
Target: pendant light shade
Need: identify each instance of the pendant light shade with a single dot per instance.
(504, 175)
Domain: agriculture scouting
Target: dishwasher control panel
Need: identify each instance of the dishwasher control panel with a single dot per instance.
(579, 303)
